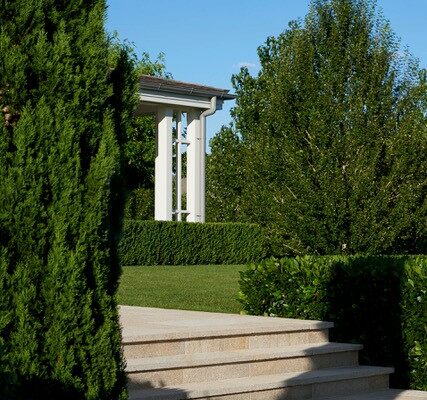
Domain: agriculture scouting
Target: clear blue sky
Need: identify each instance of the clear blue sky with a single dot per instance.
(207, 41)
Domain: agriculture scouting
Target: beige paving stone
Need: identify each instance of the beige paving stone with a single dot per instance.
(300, 392)
(349, 386)
(334, 360)
(216, 344)
(282, 393)
(237, 396)
(291, 393)
(153, 349)
(192, 375)
(217, 372)
(313, 336)
(378, 382)
(272, 367)
(267, 341)
(288, 339)
(385, 394)
(306, 363)
(156, 379)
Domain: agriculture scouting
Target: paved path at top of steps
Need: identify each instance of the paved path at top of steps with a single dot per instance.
(144, 324)
(388, 394)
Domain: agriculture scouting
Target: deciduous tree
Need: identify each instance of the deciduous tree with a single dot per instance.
(334, 134)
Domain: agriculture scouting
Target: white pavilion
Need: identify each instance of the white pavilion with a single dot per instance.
(175, 103)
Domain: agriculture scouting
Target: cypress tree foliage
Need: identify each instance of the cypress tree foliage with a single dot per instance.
(66, 95)
(224, 165)
(334, 130)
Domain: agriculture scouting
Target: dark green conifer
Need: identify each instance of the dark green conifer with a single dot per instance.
(65, 96)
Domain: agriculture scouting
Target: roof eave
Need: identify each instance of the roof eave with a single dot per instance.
(188, 91)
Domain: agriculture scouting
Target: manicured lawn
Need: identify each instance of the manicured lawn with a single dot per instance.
(190, 287)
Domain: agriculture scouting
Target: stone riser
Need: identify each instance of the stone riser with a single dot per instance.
(318, 390)
(225, 343)
(384, 394)
(312, 391)
(240, 370)
(300, 392)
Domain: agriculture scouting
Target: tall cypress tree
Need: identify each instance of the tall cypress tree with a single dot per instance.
(63, 115)
(334, 129)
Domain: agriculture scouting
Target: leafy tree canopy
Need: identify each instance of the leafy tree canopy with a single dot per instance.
(333, 137)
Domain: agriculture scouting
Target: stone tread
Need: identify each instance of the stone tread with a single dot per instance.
(235, 356)
(252, 384)
(163, 324)
(387, 394)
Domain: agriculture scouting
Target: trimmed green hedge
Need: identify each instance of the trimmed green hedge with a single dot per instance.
(185, 243)
(378, 301)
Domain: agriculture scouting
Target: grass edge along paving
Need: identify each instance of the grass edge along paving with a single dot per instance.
(211, 288)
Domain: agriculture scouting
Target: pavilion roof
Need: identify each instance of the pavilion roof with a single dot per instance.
(171, 85)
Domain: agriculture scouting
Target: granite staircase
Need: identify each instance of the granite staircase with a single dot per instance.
(173, 354)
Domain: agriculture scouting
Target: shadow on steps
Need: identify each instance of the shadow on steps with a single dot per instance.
(146, 390)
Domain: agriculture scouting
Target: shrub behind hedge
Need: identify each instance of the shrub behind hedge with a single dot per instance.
(380, 302)
(182, 243)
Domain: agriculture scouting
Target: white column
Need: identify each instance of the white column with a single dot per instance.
(194, 166)
(178, 165)
(202, 167)
(163, 166)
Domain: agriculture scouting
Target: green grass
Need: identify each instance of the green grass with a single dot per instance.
(189, 287)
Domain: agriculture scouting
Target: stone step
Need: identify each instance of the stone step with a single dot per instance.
(151, 332)
(296, 385)
(146, 348)
(387, 394)
(173, 370)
